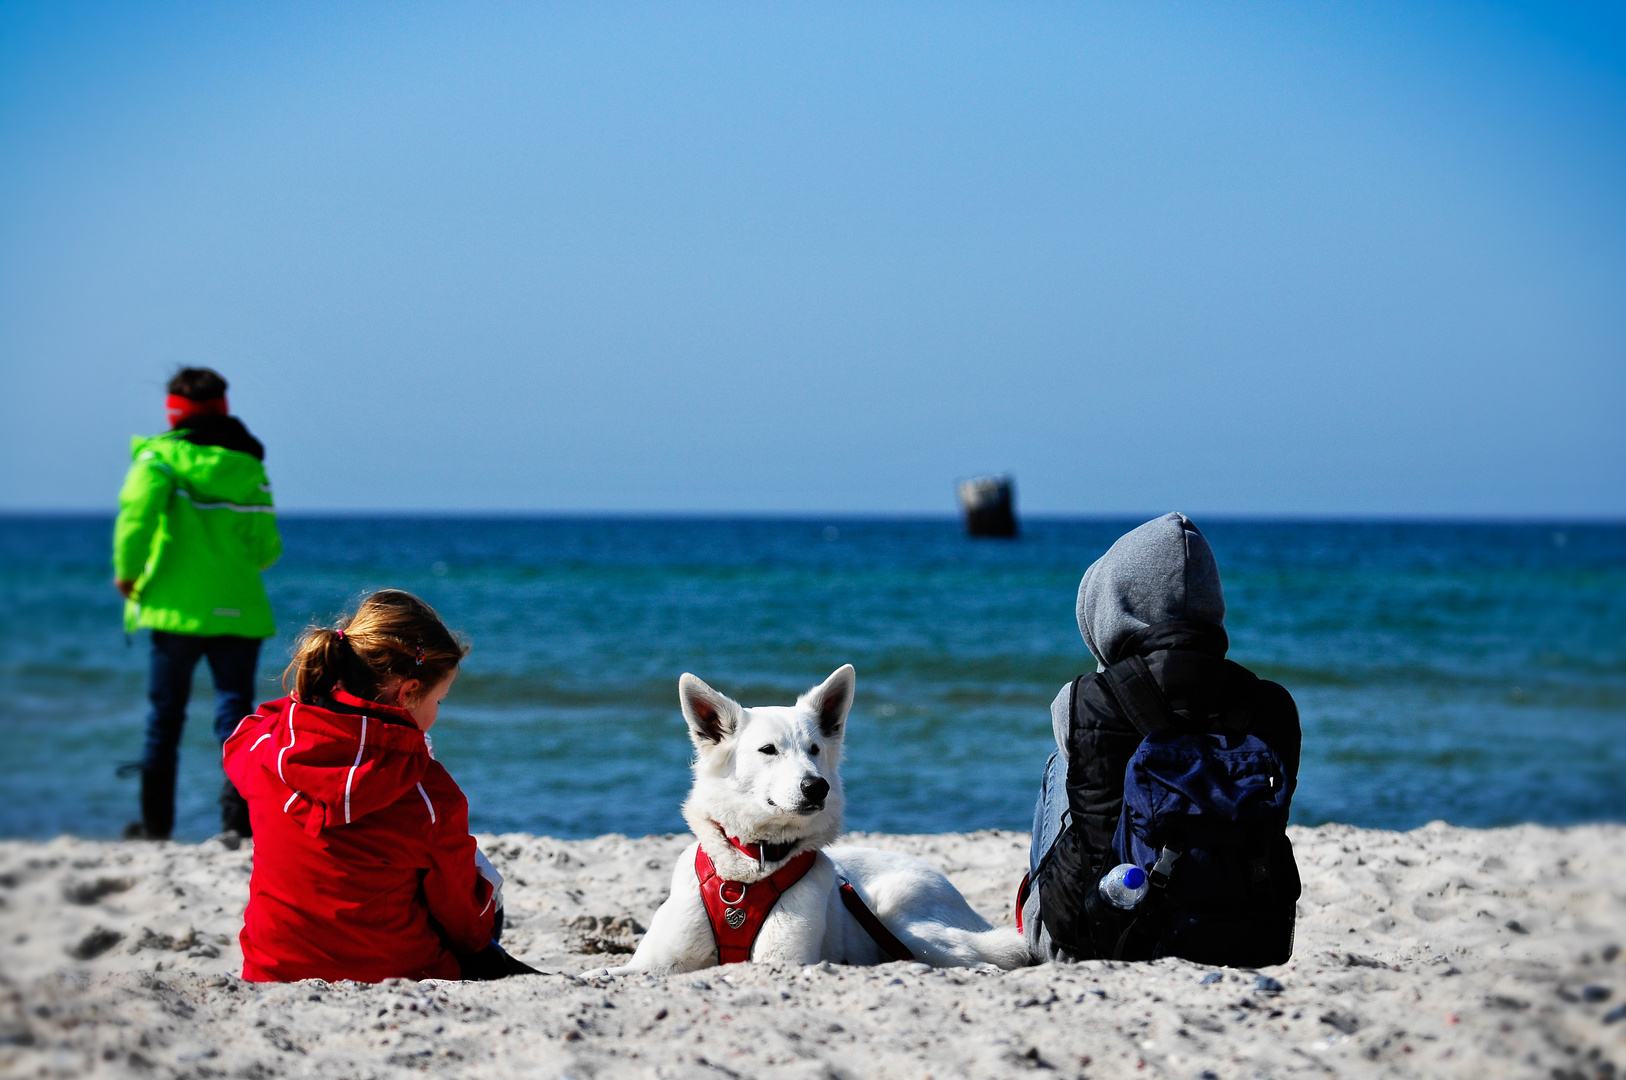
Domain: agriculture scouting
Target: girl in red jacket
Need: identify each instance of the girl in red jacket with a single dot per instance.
(364, 867)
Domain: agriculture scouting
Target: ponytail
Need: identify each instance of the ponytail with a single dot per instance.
(317, 667)
(392, 633)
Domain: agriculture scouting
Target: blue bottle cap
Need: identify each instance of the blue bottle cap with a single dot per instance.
(1134, 877)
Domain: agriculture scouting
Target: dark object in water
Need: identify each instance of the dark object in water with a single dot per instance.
(989, 503)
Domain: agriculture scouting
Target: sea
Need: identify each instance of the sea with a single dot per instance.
(1470, 672)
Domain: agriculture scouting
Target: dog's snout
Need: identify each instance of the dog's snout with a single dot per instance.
(815, 788)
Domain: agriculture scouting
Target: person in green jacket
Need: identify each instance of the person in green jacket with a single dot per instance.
(195, 528)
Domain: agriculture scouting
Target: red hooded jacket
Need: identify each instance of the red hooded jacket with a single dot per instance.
(363, 863)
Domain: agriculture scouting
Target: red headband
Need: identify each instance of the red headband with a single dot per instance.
(184, 408)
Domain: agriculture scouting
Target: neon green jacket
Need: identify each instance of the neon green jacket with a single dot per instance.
(194, 530)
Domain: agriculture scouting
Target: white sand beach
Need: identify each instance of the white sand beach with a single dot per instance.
(1438, 952)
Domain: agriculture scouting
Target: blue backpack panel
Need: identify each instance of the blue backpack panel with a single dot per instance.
(1206, 816)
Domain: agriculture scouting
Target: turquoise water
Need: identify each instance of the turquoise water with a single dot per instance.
(1471, 672)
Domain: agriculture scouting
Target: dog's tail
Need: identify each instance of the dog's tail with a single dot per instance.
(1003, 947)
(942, 945)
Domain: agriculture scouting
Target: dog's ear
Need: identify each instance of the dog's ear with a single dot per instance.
(711, 716)
(831, 699)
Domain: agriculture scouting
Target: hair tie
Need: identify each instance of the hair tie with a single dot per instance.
(341, 635)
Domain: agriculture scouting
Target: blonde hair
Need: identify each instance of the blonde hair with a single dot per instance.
(392, 633)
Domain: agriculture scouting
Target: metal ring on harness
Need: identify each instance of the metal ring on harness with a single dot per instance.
(723, 894)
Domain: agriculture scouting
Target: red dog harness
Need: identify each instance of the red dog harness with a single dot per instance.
(736, 910)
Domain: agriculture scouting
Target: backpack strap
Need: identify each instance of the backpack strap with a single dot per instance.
(1146, 706)
(1138, 694)
(1165, 866)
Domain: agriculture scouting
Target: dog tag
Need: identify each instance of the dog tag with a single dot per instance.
(734, 917)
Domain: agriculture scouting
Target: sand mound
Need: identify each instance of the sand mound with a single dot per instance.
(1439, 952)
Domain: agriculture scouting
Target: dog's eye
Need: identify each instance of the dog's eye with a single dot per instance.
(814, 750)
(769, 748)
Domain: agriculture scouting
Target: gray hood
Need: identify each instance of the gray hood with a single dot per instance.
(1160, 571)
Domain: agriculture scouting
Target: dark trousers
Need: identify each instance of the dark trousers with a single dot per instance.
(232, 661)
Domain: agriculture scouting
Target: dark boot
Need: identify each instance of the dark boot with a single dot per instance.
(157, 803)
(234, 812)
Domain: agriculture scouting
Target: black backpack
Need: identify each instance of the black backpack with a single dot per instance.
(1203, 810)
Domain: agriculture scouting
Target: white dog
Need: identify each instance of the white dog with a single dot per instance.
(761, 883)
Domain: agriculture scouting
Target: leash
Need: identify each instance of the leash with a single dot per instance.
(872, 925)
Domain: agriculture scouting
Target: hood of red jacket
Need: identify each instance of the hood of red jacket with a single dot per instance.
(334, 767)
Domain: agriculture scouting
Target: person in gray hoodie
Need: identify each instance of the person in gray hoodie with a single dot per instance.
(1156, 595)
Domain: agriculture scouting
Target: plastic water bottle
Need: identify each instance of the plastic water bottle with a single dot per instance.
(1125, 886)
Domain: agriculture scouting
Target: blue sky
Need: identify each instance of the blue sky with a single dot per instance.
(1252, 259)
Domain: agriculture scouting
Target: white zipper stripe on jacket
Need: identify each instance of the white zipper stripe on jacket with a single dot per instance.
(239, 507)
(258, 741)
(292, 735)
(290, 802)
(427, 803)
(351, 776)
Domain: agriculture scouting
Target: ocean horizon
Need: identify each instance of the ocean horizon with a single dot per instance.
(1472, 670)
